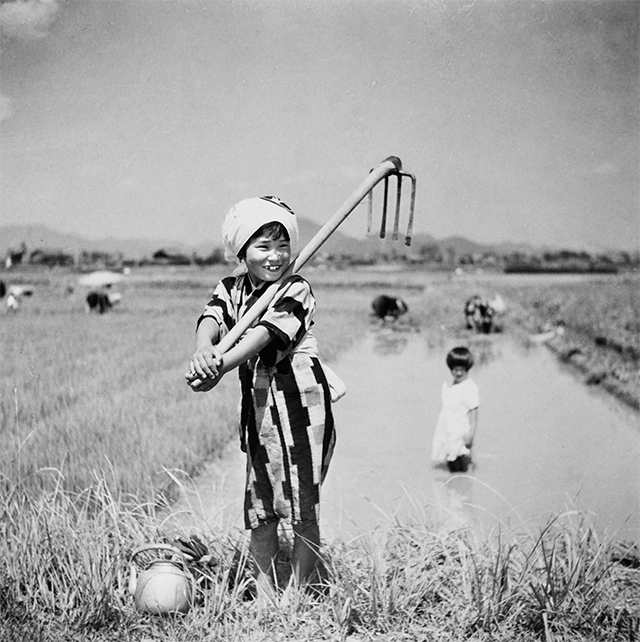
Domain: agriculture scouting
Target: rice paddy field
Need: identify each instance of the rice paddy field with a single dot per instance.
(98, 430)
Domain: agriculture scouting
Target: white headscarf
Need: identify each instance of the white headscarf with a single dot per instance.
(245, 218)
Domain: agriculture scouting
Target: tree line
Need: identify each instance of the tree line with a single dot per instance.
(430, 255)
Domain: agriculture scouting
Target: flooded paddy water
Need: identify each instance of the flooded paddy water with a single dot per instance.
(546, 444)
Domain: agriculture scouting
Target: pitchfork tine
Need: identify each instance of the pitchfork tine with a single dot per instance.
(396, 222)
(412, 208)
(383, 224)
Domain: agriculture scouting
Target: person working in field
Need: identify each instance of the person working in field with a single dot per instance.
(388, 307)
(286, 422)
(458, 419)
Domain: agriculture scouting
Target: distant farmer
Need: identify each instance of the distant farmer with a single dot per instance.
(498, 304)
(388, 307)
(478, 314)
(15, 293)
(486, 317)
(458, 419)
(12, 302)
(98, 301)
(471, 311)
(286, 422)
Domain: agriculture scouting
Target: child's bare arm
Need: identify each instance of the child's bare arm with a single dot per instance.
(473, 426)
(249, 346)
(206, 358)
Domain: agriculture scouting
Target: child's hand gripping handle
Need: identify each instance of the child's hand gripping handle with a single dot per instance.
(391, 165)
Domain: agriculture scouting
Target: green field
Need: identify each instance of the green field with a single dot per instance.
(97, 426)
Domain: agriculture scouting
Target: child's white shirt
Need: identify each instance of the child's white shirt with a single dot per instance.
(453, 422)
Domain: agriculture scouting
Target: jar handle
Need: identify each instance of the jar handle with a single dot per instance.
(162, 547)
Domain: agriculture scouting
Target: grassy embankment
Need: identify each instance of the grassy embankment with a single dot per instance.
(96, 423)
(602, 317)
(601, 314)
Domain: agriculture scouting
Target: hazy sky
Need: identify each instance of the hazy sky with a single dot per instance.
(150, 118)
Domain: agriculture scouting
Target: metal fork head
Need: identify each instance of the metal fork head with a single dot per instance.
(396, 220)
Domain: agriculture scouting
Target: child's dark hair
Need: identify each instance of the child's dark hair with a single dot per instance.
(460, 357)
(272, 231)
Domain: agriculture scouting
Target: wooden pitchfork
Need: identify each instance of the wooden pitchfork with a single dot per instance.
(391, 166)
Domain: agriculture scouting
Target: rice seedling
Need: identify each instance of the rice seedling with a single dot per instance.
(569, 588)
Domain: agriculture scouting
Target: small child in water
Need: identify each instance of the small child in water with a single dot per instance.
(458, 419)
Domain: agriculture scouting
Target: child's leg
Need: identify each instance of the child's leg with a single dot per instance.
(264, 549)
(306, 546)
(460, 464)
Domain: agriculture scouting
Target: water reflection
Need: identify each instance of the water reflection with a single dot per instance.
(393, 338)
(453, 496)
(484, 350)
(390, 340)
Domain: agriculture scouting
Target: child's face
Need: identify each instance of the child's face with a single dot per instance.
(459, 373)
(266, 258)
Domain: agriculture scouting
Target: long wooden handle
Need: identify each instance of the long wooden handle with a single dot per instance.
(391, 165)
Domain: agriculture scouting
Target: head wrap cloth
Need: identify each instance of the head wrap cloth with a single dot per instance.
(245, 218)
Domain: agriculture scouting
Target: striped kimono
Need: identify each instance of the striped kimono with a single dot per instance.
(286, 423)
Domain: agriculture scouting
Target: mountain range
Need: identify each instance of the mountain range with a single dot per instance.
(43, 237)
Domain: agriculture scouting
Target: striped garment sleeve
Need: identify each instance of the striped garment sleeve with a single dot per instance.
(220, 307)
(291, 315)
